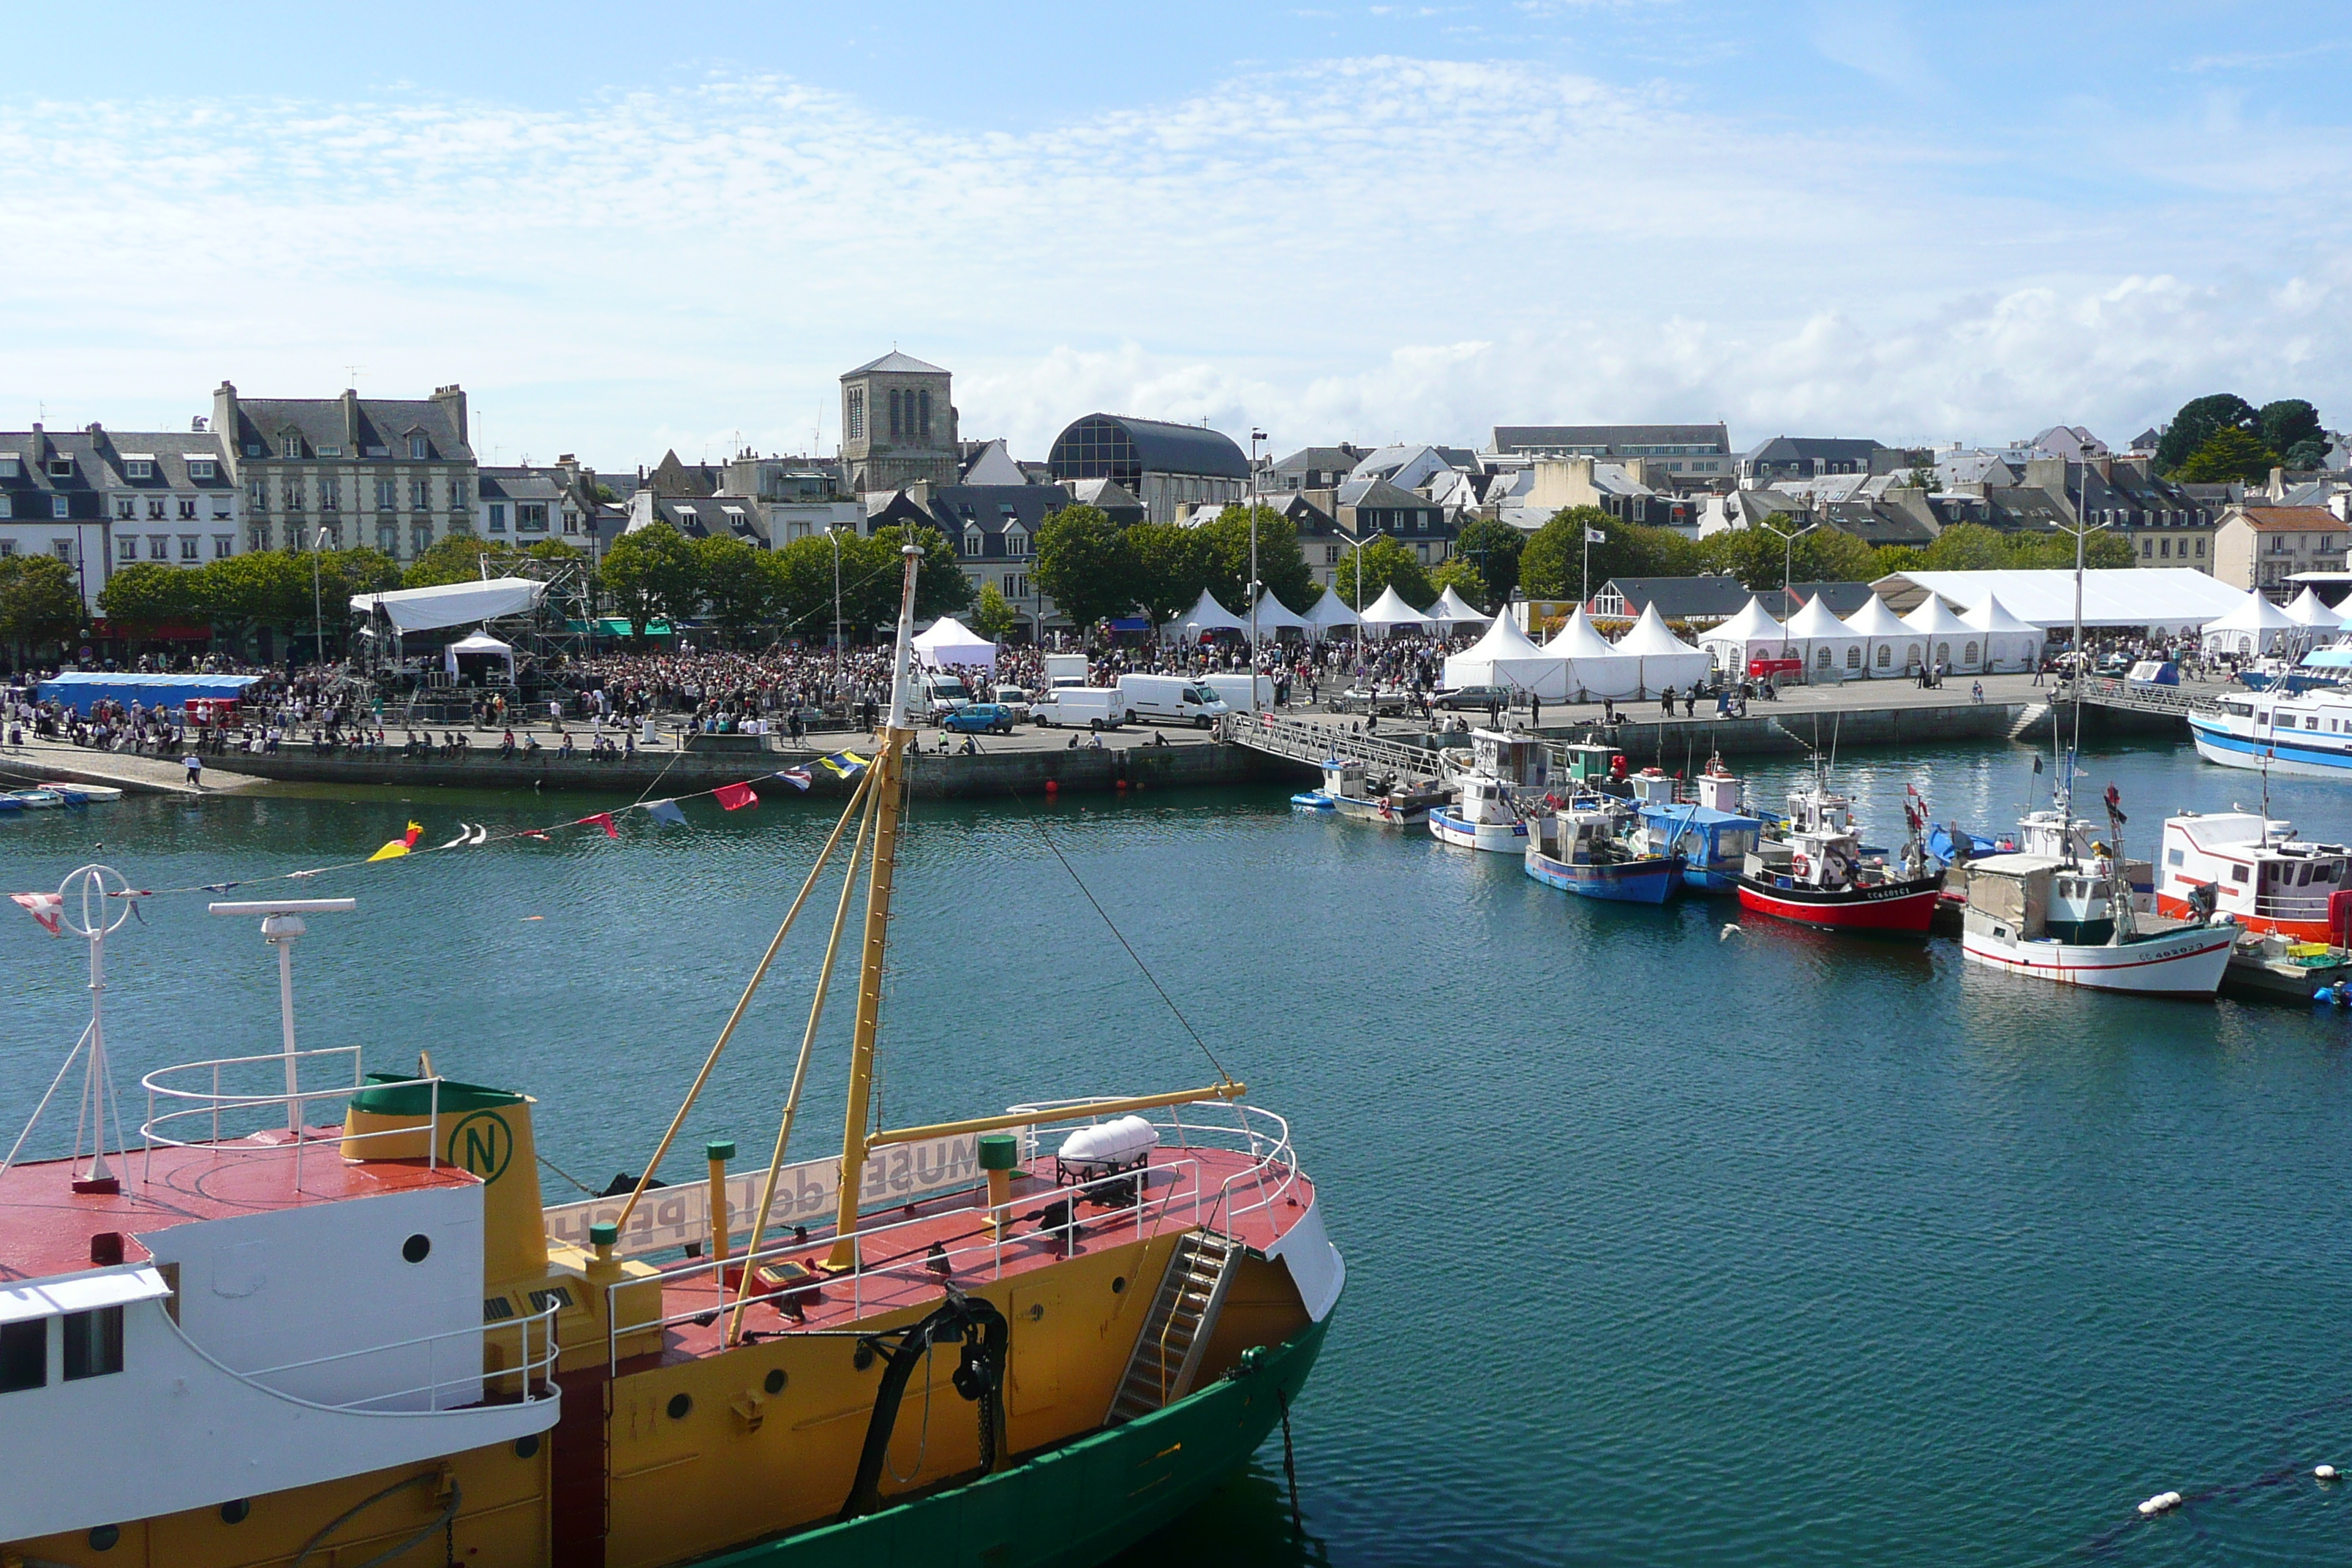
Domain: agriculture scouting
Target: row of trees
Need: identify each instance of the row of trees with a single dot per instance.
(753, 594)
(2221, 438)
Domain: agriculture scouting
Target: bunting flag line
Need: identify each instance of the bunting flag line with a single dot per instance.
(666, 811)
(45, 907)
(400, 845)
(848, 764)
(602, 819)
(798, 778)
(735, 796)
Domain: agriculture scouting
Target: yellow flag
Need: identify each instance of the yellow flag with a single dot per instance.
(399, 846)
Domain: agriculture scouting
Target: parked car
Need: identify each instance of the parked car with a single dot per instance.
(979, 719)
(1473, 699)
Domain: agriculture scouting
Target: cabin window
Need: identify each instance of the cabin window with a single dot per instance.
(93, 1342)
(2236, 873)
(2311, 722)
(24, 1355)
(2176, 857)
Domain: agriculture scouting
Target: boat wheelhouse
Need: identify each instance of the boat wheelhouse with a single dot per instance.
(2254, 869)
(1815, 872)
(1708, 825)
(1505, 772)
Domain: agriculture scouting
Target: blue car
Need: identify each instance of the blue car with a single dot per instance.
(979, 718)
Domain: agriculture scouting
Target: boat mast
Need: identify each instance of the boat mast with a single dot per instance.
(889, 762)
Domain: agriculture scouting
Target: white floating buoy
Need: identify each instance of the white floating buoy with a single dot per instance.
(2162, 1502)
(2324, 1472)
(1726, 934)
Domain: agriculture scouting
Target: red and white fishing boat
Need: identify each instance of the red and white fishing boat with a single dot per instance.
(1815, 873)
(2252, 868)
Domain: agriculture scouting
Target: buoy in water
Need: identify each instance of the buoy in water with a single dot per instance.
(2323, 1472)
(2162, 1502)
(1053, 786)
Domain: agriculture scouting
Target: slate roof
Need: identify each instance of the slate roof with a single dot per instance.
(521, 484)
(1379, 494)
(381, 422)
(894, 360)
(1680, 598)
(101, 463)
(1844, 598)
(1821, 448)
(1551, 437)
(993, 508)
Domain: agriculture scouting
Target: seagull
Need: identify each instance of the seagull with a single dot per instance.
(1727, 932)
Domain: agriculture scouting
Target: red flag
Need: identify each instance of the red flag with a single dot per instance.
(735, 796)
(602, 819)
(45, 907)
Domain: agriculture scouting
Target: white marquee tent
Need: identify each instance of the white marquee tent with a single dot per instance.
(1328, 613)
(2256, 625)
(453, 603)
(479, 645)
(1831, 649)
(1203, 618)
(1889, 647)
(2310, 610)
(1661, 659)
(949, 642)
(1954, 646)
(1751, 633)
(1451, 610)
(2009, 645)
(2159, 597)
(1389, 612)
(1505, 657)
(1274, 616)
(1596, 667)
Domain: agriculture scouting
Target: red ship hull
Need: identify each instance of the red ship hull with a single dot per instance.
(1898, 909)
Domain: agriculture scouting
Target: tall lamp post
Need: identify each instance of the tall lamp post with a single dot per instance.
(1787, 570)
(1257, 436)
(318, 619)
(1359, 594)
(833, 532)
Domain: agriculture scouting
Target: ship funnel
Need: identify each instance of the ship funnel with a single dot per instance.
(485, 1131)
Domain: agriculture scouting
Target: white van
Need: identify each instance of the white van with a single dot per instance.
(1078, 707)
(1233, 688)
(1170, 698)
(939, 695)
(1065, 669)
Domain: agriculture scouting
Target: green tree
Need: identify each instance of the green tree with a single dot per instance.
(994, 615)
(1552, 565)
(147, 594)
(2199, 421)
(1888, 559)
(1759, 557)
(1492, 547)
(553, 549)
(1170, 564)
(943, 588)
(740, 585)
(453, 558)
(41, 603)
(2290, 427)
(1384, 565)
(1966, 547)
(1085, 565)
(2227, 454)
(1281, 564)
(1460, 573)
(263, 588)
(651, 572)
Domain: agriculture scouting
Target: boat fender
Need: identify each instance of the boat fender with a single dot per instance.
(2162, 1502)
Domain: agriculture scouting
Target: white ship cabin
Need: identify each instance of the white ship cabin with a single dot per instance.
(246, 1304)
(2029, 897)
(2261, 874)
(1522, 762)
(2319, 719)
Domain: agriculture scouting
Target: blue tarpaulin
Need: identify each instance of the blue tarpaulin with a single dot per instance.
(82, 689)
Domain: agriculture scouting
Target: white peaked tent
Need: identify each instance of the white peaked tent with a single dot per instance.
(1596, 669)
(1274, 618)
(1888, 646)
(477, 645)
(1831, 649)
(1451, 610)
(1505, 657)
(949, 642)
(1328, 615)
(1662, 658)
(2310, 610)
(2255, 626)
(1954, 646)
(1387, 613)
(1751, 633)
(2009, 645)
(1205, 617)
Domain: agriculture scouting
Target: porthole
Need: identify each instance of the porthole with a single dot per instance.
(1118, 1285)
(775, 1384)
(679, 1404)
(236, 1512)
(418, 1248)
(104, 1537)
(527, 1448)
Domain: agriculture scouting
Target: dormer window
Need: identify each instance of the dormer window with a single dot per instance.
(252, 448)
(418, 451)
(1016, 541)
(330, 451)
(200, 467)
(973, 542)
(138, 468)
(11, 466)
(290, 448)
(61, 467)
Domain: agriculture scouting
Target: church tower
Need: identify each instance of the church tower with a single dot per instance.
(898, 424)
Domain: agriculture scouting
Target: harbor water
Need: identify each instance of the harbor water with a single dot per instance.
(1668, 1243)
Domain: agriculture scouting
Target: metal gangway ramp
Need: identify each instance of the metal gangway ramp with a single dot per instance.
(2135, 697)
(1305, 741)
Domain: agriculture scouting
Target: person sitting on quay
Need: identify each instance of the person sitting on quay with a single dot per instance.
(507, 747)
(563, 751)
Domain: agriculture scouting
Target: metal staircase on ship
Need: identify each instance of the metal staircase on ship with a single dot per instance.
(1167, 1355)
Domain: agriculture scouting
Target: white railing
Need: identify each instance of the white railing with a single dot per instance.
(1167, 1189)
(208, 1105)
(530, 1374)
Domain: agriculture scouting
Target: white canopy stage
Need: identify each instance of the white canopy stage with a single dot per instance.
(2162, 598)
(2256, 625)
(2009, 645)
(1273, 616)
(949, 642)
(1751, 633)
(1889, 647)
(1390, 611)
(1505, 657)
(1954, 646)
(1451, 611)
(1831, 649)
(1205, 617)
(1661, 659)
(453, 603)
(480, 644)
(1328, 613)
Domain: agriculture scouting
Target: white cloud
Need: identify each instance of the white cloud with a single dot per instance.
(1366, 247)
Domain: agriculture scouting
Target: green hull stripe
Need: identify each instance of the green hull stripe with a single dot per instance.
(1076, 1506)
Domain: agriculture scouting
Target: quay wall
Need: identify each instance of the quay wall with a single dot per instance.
(1766, 733)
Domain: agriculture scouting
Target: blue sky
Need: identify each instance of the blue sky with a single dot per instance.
(625, 228)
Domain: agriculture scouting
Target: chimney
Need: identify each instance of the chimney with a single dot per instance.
(452, 399)
(351, 421)
(226, 422)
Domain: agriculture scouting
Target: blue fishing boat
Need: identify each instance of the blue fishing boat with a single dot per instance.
(1709, 826)
(1585, 850)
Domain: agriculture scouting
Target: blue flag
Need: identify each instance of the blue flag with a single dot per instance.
(666, 811)
(848, 764)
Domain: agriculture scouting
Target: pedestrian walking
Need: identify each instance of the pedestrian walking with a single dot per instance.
(195, 766)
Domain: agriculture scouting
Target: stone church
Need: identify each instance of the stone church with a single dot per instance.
(898, 424)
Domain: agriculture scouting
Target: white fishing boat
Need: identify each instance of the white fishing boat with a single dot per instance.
(2309, 734)
(1507, 774)
(1388, 802)
(2250, 867)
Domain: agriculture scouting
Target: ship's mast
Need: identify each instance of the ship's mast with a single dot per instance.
(889, 762)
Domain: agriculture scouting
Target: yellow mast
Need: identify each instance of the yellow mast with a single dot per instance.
(890, 763)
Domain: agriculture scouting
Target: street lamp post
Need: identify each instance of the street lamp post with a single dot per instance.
(1788, 568)
(1257, 436)
(318, 619)
(833, 532)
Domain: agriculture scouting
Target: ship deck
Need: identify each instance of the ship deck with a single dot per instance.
(1182, 1194)
(45, 1227)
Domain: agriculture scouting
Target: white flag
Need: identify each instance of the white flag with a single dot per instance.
(1594, 536)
